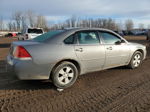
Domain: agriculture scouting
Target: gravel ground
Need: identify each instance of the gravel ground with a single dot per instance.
(114, 90)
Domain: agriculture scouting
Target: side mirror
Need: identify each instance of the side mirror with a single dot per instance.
(122, 41)
(119, 42)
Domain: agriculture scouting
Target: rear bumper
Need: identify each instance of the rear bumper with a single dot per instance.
(27, 70)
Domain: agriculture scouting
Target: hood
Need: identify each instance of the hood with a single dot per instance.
(136, 44)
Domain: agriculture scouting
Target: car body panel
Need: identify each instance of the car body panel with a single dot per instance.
(46, 54)
(116, 55)
(28, 70)
(135, 47)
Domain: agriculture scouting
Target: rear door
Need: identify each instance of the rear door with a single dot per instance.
(117, 50)
(89, 50)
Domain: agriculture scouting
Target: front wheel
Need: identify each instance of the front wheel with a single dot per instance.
(136, 60)
(64, 75)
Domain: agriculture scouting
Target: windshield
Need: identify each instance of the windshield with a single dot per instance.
(47, 35)
(37, 31)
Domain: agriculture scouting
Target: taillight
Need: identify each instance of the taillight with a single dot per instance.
(22, 53)
(27, 36)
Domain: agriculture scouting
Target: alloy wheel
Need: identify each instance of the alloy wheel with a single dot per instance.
(65, 75)
(137, 60)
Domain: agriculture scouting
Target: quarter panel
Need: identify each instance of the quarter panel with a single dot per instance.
(50, 54)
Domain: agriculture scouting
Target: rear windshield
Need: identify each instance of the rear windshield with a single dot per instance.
(47, 35)
(37, 31)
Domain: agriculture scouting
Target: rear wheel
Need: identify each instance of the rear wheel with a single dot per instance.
(136, 60)
(64, 75)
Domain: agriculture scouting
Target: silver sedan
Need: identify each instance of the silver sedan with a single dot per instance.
(63, 55)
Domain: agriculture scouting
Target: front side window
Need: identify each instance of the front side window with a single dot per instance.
(109, 38)
(88, 37)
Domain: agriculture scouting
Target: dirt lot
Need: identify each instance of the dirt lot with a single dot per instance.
(114, 90)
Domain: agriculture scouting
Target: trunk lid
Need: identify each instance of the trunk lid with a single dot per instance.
(21, 43)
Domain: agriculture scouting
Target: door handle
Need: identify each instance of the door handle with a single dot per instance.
(109, 48)
(79, 50)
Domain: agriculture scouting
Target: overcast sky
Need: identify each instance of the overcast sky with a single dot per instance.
(59, 10)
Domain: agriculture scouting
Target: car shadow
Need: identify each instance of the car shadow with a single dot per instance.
(9, 81)
(28, 85)
(7, 45)
(3, 66)
(16, 84)
(119, 68)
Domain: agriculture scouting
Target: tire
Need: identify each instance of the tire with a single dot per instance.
(136, 60)
(64, 75)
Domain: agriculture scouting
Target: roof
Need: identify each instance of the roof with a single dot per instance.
(78, 29)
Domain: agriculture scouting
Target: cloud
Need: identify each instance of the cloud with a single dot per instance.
(79, 7)
(61, 9)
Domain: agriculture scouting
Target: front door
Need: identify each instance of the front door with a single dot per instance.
(117, 50)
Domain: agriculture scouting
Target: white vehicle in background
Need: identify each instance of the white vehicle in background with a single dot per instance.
(30, 33)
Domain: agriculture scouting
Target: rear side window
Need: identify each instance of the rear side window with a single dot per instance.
(47, 35)
(69, 40)
(37, 31)
(88, 37)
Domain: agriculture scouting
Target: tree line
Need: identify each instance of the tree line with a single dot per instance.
(108, 23)
(21, 20)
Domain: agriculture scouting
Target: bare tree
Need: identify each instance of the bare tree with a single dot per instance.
(24, 23)
(31, 16)
(41, 22)
(17, 16)
(141, 26)
(111, 24)
(72, 22)
(119, 26)
(129, 24)
(68, 23)
(14, 27)
(11, 26)
(1, 24)
(88, 22)
(148, 26)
